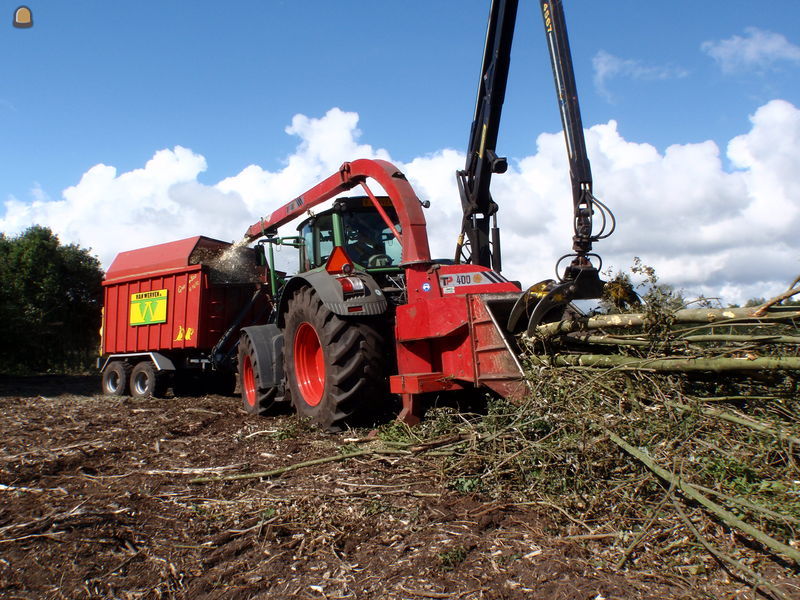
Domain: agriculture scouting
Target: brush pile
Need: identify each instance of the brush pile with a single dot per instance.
(673, 433)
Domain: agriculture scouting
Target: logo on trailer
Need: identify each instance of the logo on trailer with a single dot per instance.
(426, 287)
(148, 308)
(184, 334)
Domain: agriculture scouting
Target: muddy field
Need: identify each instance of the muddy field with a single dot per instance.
(97, 501)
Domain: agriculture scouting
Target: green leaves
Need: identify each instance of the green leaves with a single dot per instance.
(50, 299)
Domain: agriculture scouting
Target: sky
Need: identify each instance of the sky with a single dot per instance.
(132, 123)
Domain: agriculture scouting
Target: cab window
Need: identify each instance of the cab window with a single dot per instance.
(318, 240)
(369, 241)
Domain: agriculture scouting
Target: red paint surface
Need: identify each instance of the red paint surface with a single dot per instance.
(198, 312)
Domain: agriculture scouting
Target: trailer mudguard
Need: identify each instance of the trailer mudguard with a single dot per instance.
(161, 362)
(371, 302)
(267, 340)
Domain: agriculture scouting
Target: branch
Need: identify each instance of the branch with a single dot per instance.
(761, 310)
(300, 465)
(716, 365)
(716, 316)
(754, 578)
(726, 516)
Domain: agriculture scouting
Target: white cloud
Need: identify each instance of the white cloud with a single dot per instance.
(704, 228)
(607, 67)
(325, 143)
(164, 201)
(758, 50)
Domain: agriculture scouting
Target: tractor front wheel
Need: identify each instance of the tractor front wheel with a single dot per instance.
(256, 399)
(335, 367)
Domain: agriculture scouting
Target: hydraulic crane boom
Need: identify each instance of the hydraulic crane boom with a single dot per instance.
(584, 202)
(482, 160)
(482, 243)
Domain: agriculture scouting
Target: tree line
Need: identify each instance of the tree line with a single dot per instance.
(50, 304)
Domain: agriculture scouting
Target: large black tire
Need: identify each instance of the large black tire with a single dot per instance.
(256, 399)
(335, 368)
(115, 378)
(146, 381)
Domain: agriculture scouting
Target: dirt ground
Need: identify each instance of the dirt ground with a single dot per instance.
(96, 501)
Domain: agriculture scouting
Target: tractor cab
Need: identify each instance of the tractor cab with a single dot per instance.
(355, 225)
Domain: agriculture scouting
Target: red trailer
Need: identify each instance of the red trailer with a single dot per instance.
(172, 312)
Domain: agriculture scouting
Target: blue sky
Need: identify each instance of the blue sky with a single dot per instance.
(113, 83)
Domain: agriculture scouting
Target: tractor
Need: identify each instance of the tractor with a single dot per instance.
(370, 315)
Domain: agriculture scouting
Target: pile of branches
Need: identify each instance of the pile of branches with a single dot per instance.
(666, 437)
(760, 339)
(671, 433)
(676, 430)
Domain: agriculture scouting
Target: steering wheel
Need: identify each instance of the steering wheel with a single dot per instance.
(379, 260)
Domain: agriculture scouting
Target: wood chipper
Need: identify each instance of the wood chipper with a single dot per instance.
(369, 314)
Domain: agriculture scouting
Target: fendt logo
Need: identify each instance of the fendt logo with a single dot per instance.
(148, 308)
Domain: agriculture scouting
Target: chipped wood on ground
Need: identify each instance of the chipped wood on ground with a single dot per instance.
(97, 503)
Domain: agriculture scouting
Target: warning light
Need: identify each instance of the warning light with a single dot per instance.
(23, 18)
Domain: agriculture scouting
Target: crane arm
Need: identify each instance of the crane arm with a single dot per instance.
(583, 201)
(567, 91)
(478, 243)
(482, 160)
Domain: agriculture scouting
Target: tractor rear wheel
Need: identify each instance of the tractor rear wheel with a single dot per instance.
(335, 367)
(115, 378)
(147, 381)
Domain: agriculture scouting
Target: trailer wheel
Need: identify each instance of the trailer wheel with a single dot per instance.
(147, 381)
(255, 399)
(335, 367)
(115, 378)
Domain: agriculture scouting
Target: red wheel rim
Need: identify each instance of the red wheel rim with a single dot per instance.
(249, 382)
(309, 364)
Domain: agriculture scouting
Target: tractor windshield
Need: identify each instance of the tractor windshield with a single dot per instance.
(368, 241)
(366, 238)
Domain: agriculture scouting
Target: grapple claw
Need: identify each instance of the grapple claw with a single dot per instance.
(555, 301)
(527, 302)
(548, 299)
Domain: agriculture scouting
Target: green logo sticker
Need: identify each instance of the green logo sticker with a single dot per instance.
(148, 308)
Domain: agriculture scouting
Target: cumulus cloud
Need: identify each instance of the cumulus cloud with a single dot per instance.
(163, 201)
(705, 228)
(607, 67)
(757, 50)
(325, 143)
